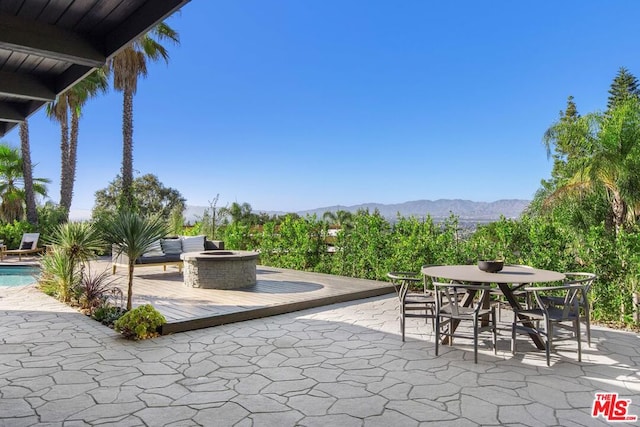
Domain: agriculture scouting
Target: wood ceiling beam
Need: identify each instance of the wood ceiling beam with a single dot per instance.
(25, 86)
(49, 41)
(11, 112)
(140, 22)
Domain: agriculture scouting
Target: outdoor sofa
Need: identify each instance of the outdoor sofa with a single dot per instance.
(167, 252)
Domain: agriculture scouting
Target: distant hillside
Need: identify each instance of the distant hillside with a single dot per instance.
(438, 209)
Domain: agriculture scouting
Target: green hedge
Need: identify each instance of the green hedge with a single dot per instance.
(370, 246)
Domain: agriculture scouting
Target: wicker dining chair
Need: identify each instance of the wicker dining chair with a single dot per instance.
(412, 304)
(563, 313)
(585, 280)
(450, 311)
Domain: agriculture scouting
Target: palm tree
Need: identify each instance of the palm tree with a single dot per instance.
(127, 67)
(341, 218)
(604, 155)
(12, 192)
(132, 235)
(59, 112)
(72, 102)
(27, 174)
(77, 97)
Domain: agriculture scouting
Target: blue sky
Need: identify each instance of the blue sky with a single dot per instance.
(292, 105)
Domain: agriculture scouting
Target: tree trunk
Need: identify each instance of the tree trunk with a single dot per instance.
(130, 284)
(619, 211)
(71, 161)
(127, 149)
(27, 174)
(64, 161)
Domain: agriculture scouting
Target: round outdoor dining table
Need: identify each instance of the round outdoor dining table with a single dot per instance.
(509, 279)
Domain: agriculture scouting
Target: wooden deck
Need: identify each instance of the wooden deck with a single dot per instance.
(277, 291)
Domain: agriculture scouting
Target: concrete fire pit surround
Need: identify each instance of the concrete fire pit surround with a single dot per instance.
(220, 269)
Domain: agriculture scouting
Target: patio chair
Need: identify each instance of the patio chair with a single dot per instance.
(412, 304)
(450, 311)
(586, 281)
(28, 246)
(563, 313)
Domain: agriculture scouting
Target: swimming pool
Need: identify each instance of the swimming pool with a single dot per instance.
(18, 275)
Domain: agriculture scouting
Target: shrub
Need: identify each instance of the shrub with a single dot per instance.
(12, 232)
(59, 276)
(49, 217)
(140, 323)
(108, 314)
(92, 290)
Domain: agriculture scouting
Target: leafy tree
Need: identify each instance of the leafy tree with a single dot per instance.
(50, 216)
(566, 137)
(127, 66)
(211, 219)
(151, 197)
(299, 243)
(362, 250)
(241, 213)
(237, 235)
(176, 221)
(131, 234)
(12, 193)
(623, 87)
(67, 104)
(603, 155)
(412, 244)
(27, 174)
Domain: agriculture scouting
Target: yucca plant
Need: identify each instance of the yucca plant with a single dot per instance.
(79, 242)
(132, 234)
(59, 274)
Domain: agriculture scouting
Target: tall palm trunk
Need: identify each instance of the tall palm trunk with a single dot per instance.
(72, 158)
(64, 160)
(30, 198)
(127, 149)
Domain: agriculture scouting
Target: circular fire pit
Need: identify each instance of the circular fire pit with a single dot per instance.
(219, 269)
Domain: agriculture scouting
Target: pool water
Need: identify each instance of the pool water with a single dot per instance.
(18, 275)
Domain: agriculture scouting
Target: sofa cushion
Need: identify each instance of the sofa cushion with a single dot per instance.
(154, 250)
(192, 243)
(171, 246)
(158, 259)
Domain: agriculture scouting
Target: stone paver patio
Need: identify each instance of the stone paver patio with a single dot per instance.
(340, 365)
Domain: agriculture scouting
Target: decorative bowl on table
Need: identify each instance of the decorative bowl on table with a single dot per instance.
(492, 266)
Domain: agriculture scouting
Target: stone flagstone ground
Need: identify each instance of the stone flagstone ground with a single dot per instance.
(342, 365)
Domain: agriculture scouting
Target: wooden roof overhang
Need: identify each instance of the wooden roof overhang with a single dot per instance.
(46, 46)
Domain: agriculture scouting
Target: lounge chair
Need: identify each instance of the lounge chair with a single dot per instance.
(28, 246)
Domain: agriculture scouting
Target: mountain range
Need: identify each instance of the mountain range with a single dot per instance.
(466, 210)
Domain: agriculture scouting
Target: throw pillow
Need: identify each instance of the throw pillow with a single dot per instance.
(27, 244)
(192, 243)
(171, 246)
(154, 250)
